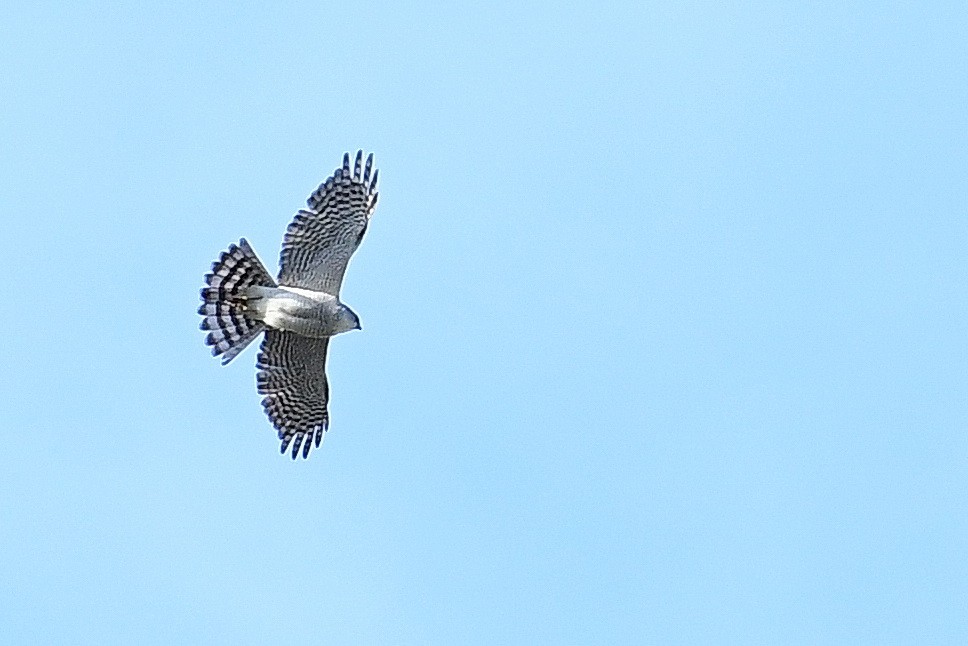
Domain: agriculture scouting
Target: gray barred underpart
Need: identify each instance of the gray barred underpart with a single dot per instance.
(224, 300)
(305, 312)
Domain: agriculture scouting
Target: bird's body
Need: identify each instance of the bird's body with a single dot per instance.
(302, 311)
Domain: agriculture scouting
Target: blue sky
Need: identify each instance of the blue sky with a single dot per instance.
(664, 324)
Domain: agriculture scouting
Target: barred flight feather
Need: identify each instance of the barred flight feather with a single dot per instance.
(320, 241)
(292, 376)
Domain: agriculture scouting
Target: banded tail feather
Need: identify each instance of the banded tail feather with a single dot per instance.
(224, 300)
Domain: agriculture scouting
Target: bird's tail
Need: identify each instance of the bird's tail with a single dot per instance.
(224, 300)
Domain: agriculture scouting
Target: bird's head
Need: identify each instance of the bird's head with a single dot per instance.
(348, 320)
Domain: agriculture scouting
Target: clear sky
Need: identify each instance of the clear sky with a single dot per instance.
(665, 326)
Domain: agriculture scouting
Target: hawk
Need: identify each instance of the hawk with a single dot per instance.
(299, 311)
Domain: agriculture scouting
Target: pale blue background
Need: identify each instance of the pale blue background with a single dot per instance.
(664, 314)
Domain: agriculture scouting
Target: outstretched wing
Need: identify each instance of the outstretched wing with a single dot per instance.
(292, 376)
(320, 241)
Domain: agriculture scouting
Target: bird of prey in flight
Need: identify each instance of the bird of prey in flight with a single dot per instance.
(300, 310)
